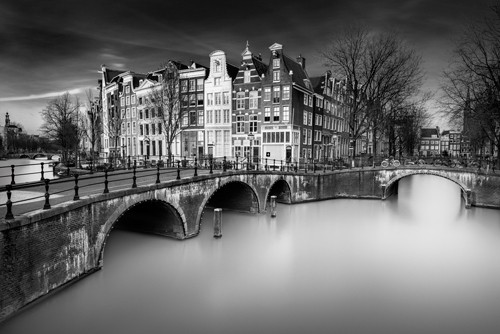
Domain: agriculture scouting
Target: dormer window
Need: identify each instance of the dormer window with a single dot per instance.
(276, 63)
(246, 77)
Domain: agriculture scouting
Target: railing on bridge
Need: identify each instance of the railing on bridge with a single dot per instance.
(128, 173)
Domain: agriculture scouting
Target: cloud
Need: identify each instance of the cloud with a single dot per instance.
(42, 96)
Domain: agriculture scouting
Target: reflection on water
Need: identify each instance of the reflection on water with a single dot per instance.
(416, 263)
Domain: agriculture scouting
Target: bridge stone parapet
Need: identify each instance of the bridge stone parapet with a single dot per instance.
(46, 249)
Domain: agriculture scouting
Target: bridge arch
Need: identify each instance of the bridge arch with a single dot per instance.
(39, 155)
(281, 189)
(232, 195)
(156, 217)
(24, 156)
(391, 186)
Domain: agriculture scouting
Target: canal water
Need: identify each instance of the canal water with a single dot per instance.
(418, 262)
(25, 170)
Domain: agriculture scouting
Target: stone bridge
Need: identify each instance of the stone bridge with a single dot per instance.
(477, 189)
(46, 249)
(33, 155)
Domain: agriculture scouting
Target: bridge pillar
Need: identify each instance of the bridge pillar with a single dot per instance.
(467, 195)
(383, 188)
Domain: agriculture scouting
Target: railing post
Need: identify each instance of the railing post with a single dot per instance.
(106, 190)
(157, 173)
(248, 164)
(305, 168)
(134, 177)
(46, 206)
(236, 163)
(41, 166)
(12, 174)
(178, 170)
(224, 164)
(266, 166)
(76, 197)
(195, 166)
(274, 165)
(9, 214)
(281, 168)
(211, 165)
(128, 162)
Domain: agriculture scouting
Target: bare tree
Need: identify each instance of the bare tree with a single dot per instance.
(472, 84)
(61, 123)
(165, 99)
(92, 124)
(380, 69)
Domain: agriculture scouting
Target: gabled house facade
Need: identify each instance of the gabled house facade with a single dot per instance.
(247, 108)
(192, 105)
(429, 142)
(218, 106)
(287, 103)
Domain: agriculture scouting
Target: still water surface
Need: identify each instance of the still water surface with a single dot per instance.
(25, 170)
(416, 263)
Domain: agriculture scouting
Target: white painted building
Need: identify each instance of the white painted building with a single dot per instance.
(218, 106)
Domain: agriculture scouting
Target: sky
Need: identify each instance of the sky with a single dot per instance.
(56, 46)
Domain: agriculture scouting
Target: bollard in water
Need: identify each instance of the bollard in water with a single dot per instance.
(217, 223)
(273, 206)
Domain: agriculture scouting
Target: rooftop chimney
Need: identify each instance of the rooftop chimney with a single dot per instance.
(302, 61)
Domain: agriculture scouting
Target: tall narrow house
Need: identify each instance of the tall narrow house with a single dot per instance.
(287, 123)
(192, 104)
(218, 88)
(247, 107)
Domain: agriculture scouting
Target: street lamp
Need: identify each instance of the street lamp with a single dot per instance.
(251, 136)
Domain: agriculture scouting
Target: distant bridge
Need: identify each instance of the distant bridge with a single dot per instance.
(42, 249)
(33, 155)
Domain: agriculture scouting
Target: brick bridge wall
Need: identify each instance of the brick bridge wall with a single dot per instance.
(48, 249)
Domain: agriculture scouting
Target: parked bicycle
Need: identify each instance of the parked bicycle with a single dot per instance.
(390, 162)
